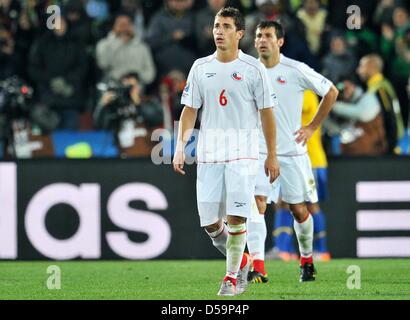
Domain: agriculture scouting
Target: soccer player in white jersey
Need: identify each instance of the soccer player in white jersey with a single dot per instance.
(232, 88)
(296, 181)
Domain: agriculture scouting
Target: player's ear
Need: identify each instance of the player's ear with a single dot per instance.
(281, 42)
(240, 34)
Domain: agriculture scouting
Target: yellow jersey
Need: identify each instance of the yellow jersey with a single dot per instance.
(315, 149)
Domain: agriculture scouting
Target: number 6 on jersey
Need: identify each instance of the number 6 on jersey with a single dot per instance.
(223, 101)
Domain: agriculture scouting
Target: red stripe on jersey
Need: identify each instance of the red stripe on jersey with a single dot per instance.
(229, 160)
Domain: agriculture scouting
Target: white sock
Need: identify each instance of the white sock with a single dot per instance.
(256, 236)
(219, 238)
(304, 234)
(235, 246)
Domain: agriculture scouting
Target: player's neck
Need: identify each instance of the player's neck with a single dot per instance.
(227, 55)
(271, 61)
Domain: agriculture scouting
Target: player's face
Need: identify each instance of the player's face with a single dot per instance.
(267, 43)
(225, 34)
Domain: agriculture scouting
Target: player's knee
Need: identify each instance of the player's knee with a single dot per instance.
(261, 204)
(313, 208)
(213, 227)
(235, 220)
(299, 212)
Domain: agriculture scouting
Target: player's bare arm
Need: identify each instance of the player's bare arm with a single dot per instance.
(304, 133)
(269, 131)
(186, 125)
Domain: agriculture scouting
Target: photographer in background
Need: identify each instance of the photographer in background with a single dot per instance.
(360, 124)
(131, 115)
(370, 71)
(122, 51)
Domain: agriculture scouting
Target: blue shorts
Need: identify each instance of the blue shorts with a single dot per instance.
(321, 183)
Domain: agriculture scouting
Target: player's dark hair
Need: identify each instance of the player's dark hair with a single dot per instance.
(235, 14)
(279, 30)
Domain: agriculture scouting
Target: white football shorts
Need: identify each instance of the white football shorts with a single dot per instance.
(296, 182)
(225, 189)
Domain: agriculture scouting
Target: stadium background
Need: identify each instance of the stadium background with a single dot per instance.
(53, 207)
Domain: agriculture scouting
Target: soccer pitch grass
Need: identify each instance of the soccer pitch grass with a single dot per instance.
(200, 280)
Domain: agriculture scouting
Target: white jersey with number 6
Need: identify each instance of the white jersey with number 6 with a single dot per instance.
(230, 95)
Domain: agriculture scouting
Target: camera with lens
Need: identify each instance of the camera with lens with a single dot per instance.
(15, 109)
(121, 95)
(119, 103)
(15, 97)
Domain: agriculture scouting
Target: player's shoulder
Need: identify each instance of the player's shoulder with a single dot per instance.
(250, 60)
(202, 61)
(300, 69)
(293, 64)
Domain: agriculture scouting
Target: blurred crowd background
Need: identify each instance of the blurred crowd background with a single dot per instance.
(112, 72)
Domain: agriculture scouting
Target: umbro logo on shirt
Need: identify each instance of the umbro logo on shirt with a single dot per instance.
(236, 76)
(210, 75)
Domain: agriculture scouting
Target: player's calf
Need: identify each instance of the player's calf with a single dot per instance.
(218, 233)
(303, 226)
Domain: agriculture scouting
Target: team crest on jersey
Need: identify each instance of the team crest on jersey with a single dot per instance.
(236, 76)
(281, 80)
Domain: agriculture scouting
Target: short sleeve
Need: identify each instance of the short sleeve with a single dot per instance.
(191, 96)
(311, 80)
(264, 95)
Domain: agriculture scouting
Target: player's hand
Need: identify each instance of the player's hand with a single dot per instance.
(304, 134)
(178, 162)
(272, 168)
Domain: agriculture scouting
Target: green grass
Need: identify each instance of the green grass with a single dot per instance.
(198, 280)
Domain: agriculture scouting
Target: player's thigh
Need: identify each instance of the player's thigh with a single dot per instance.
(296, 180)
(265, 192)
(258, 209)
(275, 193)
(262, 187)
(290, 181)
(240, 178)
(210, 192)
